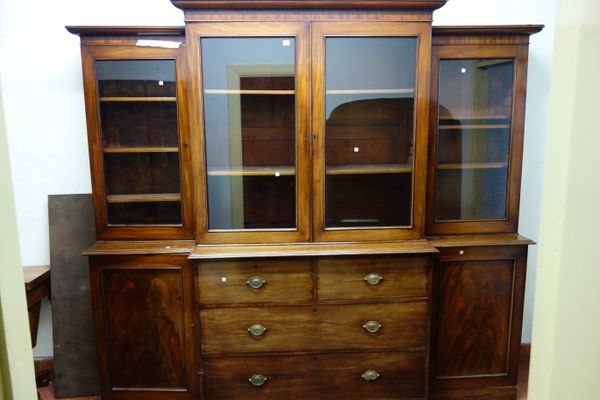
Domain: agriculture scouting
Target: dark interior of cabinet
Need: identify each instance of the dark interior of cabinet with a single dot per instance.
(139, 124)
(381, 129)
(144, 213)
(368, 200)
(142, 173)
(136, 88)
(267, 202)
(268, 129)
(485, 199)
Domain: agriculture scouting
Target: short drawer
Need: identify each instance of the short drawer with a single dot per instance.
(260, 281)
(322, 328)
(357, 278)
(361, 376)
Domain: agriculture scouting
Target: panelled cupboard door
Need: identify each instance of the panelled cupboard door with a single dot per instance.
(477, 121)
(138, 141)
(249, 114)
(477, 319)
(370, 85)
(143, 311)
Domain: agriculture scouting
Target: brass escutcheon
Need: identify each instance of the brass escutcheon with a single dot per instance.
(256, 329)
(256, 282)
(373, 278)
(370, 375)
(257, 379)
(372, 326)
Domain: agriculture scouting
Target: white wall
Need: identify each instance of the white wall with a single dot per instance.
(485, 12)
(45, 121)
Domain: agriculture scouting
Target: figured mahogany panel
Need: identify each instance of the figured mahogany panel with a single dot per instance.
(474, 317)
(226, 282)
(344, 278)
(144, 327)
(309, 329)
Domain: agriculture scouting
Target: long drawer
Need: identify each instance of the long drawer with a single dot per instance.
(320, 328)
(360, 278)
(256, 281)
(360, 376)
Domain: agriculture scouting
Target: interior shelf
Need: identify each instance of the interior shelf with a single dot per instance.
(236, 91)
(462, 127)
(364, 169)
(143, 198)
(253, 171)
(140, 99)
(370, 91)
(485, 165)
(472, 117)
(117, 150)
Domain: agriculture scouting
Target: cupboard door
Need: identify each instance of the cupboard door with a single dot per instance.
(138, 141)
(477, 134)
(369, 102)
(251, 110)
(143, 328)
(478, 316)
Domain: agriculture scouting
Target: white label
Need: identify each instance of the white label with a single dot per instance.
(277, 174)
(167, 44)
(223, 279)
(463, 70)
(287, 42)
(160, 83)
(356, 149)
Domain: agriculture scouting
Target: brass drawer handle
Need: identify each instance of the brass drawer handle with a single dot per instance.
(372, 326)
(256, 282)
(257, 379)
(256, 329)
(370, 375)
(373, 278)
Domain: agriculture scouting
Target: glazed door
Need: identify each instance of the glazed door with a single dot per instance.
(138, 137)
(477, 138)
(250, 112)
(370, 85)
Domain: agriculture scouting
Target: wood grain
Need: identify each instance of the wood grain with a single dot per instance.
(317, 377)
(225, 282)
(343, 278)
(428, 5)
(313, 329)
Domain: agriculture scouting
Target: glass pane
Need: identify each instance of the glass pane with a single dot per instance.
(249, 122)
(369, 131)
(140, 141)
(475, 108)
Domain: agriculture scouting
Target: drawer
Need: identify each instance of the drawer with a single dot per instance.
(398, 375)
(285, 281)
(347, 278)
(322, 328)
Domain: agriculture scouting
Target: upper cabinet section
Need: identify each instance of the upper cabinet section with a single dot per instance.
(477, 120)
(137, 130)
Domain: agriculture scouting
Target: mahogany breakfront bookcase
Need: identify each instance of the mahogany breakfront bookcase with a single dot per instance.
(307, 200)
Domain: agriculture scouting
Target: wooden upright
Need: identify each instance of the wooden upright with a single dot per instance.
(307, 200)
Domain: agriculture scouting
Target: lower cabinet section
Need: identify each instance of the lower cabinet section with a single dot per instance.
(478, 311)
(365, 376)
(143, 322)
(390, 328)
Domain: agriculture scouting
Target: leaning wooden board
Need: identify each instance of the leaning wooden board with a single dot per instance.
(71, 232)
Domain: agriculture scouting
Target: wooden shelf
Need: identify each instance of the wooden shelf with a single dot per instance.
(367, 169)
(370, 91)
(234, 91)
(461, 127)
(140, 99)
(253, 171)
(472, 117)
(486, 165)
(143, 198)
(120, 150)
